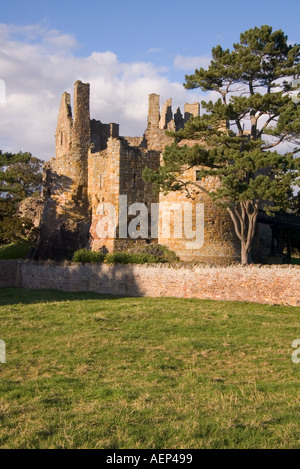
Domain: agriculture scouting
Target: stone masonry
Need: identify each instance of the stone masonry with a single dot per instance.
(94, 165)
(255, 283)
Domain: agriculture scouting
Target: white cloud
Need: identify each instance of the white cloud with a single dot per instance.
(38, 65)
(60, 41)
(154, 50)
(191, 63)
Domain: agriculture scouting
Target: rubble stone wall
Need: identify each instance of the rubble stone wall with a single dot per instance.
(261, 284)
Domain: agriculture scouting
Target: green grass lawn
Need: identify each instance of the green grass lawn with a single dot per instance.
(91, 371)
(14, 251)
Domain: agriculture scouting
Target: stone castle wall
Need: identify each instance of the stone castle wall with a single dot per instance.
(219, 245)
(266, 284)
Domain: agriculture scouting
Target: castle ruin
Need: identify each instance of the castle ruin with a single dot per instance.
(94, 165)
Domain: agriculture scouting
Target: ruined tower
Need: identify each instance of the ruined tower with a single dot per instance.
(73, 140)
(65, 221)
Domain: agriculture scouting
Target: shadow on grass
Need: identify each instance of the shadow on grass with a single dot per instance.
(77, 281)
(13, 296)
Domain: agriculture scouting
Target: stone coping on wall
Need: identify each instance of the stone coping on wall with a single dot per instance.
(173, 265)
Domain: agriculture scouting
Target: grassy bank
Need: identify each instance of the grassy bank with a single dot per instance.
(89, 371)
(14, 251)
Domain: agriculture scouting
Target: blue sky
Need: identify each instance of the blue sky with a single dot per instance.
(125, 49)
(157, 30)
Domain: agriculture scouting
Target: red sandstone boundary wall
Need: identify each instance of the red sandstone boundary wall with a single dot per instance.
(266, 284)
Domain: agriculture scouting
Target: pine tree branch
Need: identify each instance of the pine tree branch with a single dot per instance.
(192, 183)
(267, 123)
(273, 145)
(235, 223)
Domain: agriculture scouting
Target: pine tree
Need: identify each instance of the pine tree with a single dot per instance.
(249, 137)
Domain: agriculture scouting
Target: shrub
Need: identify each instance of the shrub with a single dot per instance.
(162, 253)
(130, 258)
(154, 253)
(85, 255)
